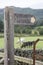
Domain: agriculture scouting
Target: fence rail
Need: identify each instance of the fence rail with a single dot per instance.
(21, 59)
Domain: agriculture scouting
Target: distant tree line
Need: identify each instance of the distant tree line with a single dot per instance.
(36, 29)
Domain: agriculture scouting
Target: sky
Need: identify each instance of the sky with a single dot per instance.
(35, 4)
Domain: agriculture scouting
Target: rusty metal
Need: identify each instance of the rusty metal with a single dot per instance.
(34, 47)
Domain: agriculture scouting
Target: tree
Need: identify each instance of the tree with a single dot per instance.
(1, 26)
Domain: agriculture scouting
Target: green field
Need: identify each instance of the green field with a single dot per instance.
(38, 46)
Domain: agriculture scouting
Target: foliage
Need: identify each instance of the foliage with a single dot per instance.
(1, 26)
(36, 29)
(41, 31)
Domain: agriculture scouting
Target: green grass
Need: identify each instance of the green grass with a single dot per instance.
(38, 46)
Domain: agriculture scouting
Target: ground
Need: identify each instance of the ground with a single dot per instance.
(30, 38)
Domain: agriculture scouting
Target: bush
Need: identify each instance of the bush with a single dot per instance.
(35, 32)
(41, 31)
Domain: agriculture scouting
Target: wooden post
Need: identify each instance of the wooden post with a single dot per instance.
(34, 54)
(34, 46)
(6, 20)
(9, 36)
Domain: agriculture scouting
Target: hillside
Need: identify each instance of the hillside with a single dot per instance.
(38, 13)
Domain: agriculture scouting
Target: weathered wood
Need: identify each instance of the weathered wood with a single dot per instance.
(9, 36)
(22, 59)
(24, 19)
(6, 34)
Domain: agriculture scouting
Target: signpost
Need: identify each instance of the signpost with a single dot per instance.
(9, 36)
(9, 22)
(24, 19)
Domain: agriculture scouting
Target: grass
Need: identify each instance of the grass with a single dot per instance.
(38, 46)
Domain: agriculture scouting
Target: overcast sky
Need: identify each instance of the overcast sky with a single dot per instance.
(36, 4)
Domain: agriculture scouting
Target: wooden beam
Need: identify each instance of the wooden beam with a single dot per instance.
(9, 36)
(6, 34)
(22, 59)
